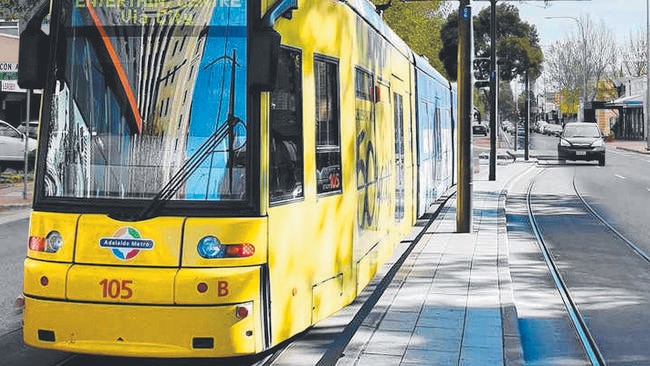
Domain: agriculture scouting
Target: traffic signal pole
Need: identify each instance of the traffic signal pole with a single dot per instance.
(464, 190)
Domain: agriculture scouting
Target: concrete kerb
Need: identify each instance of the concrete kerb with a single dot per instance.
(639, 150)
(512, 347)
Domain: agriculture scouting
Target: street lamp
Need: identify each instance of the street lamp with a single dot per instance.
(584, 58)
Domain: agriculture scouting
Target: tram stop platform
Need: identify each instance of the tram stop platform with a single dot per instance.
(451, 302)
(444, 298)
(449, 298)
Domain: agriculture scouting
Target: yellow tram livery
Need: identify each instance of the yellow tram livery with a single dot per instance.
(216, 176)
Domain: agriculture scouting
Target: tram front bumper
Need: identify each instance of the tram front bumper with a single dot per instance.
(144, 312)
(139, 330)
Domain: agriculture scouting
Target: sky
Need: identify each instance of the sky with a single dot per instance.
(621, 16)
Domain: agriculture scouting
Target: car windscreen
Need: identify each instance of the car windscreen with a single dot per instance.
(581, 131)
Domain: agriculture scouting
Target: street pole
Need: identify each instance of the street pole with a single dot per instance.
(494, 90)
(464, 201)
(647, 73)
(26, 137)
(527, 122)
(584, 69)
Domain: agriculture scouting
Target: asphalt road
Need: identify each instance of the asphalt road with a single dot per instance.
(607, 280)
(13, 247)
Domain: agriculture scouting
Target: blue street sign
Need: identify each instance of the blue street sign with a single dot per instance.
(466, 13)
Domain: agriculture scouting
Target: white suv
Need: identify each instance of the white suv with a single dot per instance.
(12, 144)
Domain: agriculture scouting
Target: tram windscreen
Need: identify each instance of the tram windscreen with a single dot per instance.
(141, 89)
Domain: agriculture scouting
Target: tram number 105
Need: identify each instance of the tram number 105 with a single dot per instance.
(116, 288)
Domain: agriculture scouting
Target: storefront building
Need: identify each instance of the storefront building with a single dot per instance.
(630, 123)
(13, 99)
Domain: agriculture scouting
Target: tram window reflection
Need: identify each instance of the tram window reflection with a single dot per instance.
(285, 145)
(328, 142)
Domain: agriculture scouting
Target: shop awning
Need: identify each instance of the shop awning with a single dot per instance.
(632, 101)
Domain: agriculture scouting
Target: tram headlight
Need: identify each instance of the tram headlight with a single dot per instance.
(51, 243)
(210, 247)
(54, 242)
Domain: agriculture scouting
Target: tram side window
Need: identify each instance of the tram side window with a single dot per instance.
(286, 147)
(328, 143)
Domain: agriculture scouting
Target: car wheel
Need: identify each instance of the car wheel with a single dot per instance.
(601, 161)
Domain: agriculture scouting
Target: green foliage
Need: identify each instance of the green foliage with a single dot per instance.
(16, 9)
(448, 53)
(15, 177)
(518, 47)
(507, 106)
(419, 25)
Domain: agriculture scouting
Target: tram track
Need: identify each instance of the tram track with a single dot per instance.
(577, 318)
(620, 235)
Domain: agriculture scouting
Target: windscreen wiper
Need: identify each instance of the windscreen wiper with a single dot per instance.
(190, 165)
(207, 147)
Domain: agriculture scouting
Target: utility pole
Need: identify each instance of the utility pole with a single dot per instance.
(494, 90)
(527, 121)
(464, 201)
(646, 103)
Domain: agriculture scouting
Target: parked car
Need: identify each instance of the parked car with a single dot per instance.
(581, 141)
(480, 128)
(32, 129)
(12, 144)
(552, 129)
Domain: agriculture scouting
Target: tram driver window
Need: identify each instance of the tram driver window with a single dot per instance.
(285, 145)
(328, 142)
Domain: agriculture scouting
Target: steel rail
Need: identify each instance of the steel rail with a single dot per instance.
(587, 340)
(593, 212)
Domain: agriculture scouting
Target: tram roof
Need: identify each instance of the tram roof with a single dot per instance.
(366, 10)
(422, 63)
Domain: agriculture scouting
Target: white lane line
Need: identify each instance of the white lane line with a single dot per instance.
(619, 176)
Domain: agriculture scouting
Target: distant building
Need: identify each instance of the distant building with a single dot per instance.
(629, 123)
(9, 27)
(13, 99)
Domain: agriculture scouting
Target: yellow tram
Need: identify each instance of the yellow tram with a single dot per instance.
(216, 176)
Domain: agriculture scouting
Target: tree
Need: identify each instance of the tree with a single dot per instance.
(517, 44)
(507, 106)
(587, 56)
(418, 24)
(523, 103)
(448, 53)
(16, 9)
(633, 55)
(562, 68)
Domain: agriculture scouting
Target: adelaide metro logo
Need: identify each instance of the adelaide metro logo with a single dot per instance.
(126, 243)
